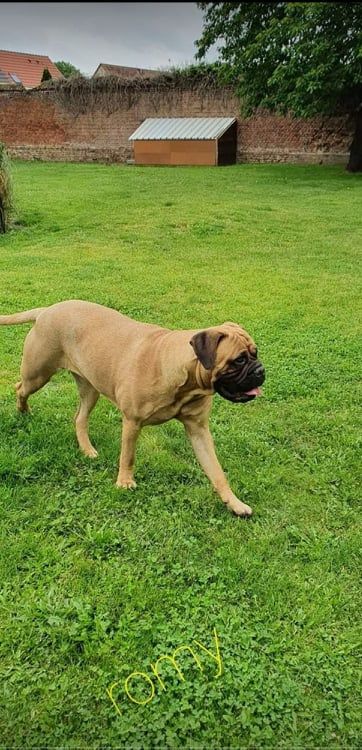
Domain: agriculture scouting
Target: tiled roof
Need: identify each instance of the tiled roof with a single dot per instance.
(27, 67)
(123, 71)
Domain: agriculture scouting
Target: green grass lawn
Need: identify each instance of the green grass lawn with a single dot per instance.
(97, 583)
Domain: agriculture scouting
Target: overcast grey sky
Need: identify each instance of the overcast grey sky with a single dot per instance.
(145, 35)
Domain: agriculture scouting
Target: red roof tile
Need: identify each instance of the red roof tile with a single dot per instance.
(29, 68)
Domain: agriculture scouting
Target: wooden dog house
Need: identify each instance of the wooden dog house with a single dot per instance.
(185, 140)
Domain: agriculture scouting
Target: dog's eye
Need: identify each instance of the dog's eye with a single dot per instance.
(241, 359)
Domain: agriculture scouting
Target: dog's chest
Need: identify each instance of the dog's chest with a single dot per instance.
(173, 409)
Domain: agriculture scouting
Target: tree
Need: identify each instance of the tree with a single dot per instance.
(305, 58)
(46, 75)
(67, 69)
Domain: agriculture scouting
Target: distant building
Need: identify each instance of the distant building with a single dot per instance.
(23, 69)
(122, 71)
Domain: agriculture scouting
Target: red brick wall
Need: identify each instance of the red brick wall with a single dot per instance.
(34, 125)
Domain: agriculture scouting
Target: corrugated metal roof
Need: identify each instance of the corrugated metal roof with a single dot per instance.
(182, 128)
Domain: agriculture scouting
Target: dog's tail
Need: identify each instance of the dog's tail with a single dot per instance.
(28, 316)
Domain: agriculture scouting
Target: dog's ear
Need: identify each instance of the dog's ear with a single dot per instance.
(204, 345)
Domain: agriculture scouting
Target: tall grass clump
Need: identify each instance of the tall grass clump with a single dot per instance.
(6, 192)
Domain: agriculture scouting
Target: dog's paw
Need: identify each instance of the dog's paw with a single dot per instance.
(240, 509)
(91, 453)
(23, 408)
(126, 484)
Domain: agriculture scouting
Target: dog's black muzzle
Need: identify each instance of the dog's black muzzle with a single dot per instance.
(238, 383)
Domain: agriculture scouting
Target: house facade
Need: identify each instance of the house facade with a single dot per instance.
(25, 70)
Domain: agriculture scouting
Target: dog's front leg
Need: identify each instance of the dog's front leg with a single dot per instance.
(203, 445)
(130, 431)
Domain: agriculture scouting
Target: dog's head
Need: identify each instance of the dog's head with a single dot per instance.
(230, 355)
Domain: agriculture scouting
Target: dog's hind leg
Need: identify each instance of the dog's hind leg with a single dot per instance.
(25, 387)
(88, 399)
(37, 368)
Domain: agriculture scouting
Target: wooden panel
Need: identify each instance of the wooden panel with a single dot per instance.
(175, 152)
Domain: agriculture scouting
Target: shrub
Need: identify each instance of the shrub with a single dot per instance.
(46, 75)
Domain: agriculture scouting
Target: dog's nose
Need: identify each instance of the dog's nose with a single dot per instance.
(259, 373)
